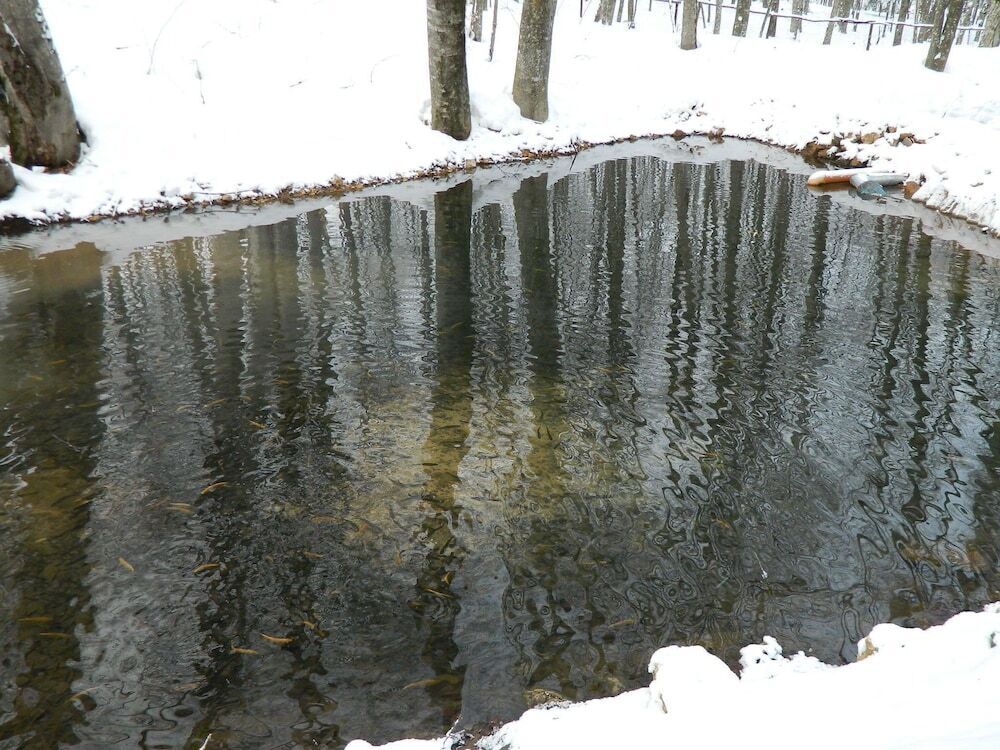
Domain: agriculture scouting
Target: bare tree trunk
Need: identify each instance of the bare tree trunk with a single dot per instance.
(717, 22)
(631, 13)
(772, 22)
(946, 17)
(478, 8)
(534, 51)
(839, 9)
(689, 25)
(36, 111)
(605, 12)
(742, 19)
(924, 14)
(798, 9)
(450, 112)
(991, 26)
(493, 33)
(904, 11)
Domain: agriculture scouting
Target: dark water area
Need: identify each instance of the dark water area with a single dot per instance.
(382, 468)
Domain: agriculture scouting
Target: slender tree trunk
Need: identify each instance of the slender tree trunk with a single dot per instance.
(534, 50)
(450, 112)
(476, 31)
(946, 17)
(798, 9)
(605, 12)
(904, 11)
(991, 26)
(742, 19)
(493, 32)
(717, 21)
(36, 112)
(689, 25)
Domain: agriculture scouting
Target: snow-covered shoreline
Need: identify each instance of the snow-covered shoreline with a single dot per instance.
(197, 103)
(909, 688)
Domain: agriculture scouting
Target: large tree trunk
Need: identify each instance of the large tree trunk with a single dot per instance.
(945, 26)
(991, 27)
(476, 30)
(689, 25)
(904, 11)
(36, 111)
(449, 79)
(742, 19)
(534, 50)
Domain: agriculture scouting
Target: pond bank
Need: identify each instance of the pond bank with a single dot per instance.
(910, 688)
(210, 120)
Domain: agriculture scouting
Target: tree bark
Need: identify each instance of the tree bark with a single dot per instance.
(991, 26)
(476, 30)
(945, 26)
(450, 112)
(717, 21)
(742, 19)
(534, 51)
(36, 111)
(689, 25)
(904, 12)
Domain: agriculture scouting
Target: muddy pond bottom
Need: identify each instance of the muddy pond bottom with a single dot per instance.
(390, 467)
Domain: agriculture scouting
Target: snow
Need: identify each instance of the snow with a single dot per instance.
(183, 102)
(910, 688)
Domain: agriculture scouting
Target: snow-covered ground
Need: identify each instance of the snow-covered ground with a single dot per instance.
(910, 688)
(183, 101)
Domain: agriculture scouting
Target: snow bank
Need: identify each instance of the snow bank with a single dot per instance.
(910, 688)
(184, 101)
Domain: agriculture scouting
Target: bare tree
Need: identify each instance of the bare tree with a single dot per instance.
(798, 8)
(450, 112)
(772, 21)
(689, 25)
(947, 14)
(742, 19)
(534, 51)
(476, 27)
(605, 12)
(924, 15)
(991, 26)
(36, 111)
(904, 11)
(839, 9)
(717, 21)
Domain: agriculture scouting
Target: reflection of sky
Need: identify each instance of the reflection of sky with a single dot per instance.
(652, 384)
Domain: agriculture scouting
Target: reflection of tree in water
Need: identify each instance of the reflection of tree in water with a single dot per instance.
(446, 446)
(684, 375)
(49, 370)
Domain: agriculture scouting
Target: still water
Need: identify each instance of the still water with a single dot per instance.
(386, 467)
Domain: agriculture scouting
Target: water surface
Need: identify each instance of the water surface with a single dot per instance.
(385, 467)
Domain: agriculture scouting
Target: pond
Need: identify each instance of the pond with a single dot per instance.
(394, 465)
